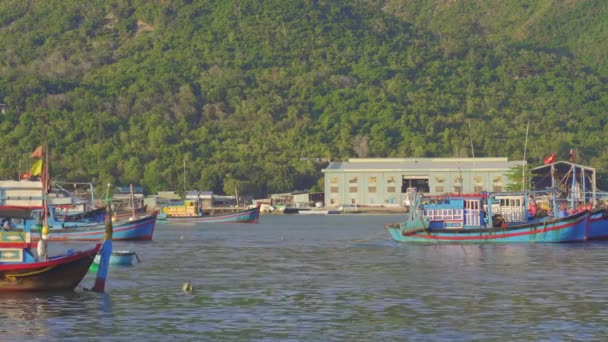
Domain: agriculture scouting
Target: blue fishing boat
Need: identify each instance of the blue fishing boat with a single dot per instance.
(470, 219)
(578, 192)
(140, 229)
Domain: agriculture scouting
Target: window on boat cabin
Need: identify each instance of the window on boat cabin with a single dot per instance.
(458, 214)
(471, 205)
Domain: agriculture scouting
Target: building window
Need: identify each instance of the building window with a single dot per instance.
(497, 184)
(439, 189)
(352, 185)
(353, 201)
(390, 187)
(371, 185)
(458, 185)
(333, 180)
(333, 189)
(478, 187)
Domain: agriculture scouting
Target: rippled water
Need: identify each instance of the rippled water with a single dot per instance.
(325, 278)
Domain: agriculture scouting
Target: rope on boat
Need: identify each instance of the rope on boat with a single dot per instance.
(15, 276)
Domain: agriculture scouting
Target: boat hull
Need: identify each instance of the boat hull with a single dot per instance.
(121, 258)
(245, 216)
(574, 228)
(56, 274)
(141, 229)
(598, 225)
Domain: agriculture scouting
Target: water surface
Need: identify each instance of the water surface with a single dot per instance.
(325, 278)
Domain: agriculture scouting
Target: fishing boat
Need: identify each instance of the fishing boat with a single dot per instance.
(577, 189)
(139, 229)
(23, 268)
(26, 266)
(191, 214)
(470, 219)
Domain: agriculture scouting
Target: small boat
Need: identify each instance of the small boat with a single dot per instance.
(251, 215)
(121, 258)
(469, 219)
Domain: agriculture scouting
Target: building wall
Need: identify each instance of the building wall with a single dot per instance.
(377, 187)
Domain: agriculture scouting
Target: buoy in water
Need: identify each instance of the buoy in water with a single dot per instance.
(187, 287)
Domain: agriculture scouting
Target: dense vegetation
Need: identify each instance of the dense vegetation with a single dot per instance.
(238, 93)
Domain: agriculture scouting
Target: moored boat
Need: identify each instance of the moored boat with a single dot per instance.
(121, 258)
(140, 229)
(25, 266)
(469, 219)
(251, 215)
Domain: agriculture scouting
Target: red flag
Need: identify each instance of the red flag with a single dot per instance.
(37, 152)
(552, 158)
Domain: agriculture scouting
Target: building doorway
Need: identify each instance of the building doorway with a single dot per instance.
(421, 184)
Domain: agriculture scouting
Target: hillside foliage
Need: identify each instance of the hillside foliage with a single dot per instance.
(244, 94)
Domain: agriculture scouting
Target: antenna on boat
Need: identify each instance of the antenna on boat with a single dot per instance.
(523, 170)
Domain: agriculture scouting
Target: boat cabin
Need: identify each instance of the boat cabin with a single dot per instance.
(455, 212)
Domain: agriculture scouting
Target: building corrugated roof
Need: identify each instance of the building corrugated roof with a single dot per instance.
(426, 164)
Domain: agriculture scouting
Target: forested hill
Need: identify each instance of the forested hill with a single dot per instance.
(239, 93)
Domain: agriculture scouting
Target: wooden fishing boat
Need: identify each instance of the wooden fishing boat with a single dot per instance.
(140, 229)
(19, 270)
(251, 215)
(24, 268)
(469, 219)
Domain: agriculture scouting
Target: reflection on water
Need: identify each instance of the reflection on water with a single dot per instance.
(326, 278)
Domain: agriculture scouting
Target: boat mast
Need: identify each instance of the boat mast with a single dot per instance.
(523, 170)
(132, 202)
(43, 253)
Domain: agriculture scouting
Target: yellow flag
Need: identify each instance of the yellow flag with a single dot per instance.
(37, 168)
